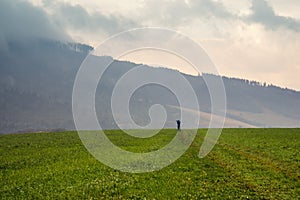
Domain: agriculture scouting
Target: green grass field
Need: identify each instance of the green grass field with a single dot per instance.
(246, 163)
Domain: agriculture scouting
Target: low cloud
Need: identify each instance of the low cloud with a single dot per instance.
(21, 20)
(177, 13)
(264, 14)
(76, 17)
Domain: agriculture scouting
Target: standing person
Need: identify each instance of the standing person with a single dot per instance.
(178, 125)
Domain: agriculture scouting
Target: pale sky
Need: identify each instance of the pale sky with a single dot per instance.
(252, 39)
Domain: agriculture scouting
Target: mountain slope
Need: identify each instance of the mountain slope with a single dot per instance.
(36, 81)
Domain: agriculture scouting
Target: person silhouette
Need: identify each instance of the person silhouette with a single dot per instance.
(178, 125)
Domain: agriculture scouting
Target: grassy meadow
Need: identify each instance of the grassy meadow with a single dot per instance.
(245, 164)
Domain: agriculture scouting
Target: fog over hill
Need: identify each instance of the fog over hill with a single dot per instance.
(36, 82)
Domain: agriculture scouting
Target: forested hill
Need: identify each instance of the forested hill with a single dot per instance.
(36, 82)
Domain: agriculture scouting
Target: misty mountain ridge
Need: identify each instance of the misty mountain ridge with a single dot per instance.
(37, 77)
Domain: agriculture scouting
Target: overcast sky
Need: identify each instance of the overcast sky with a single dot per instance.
(252, 39)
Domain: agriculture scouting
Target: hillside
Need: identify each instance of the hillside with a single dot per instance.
(36, 81)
